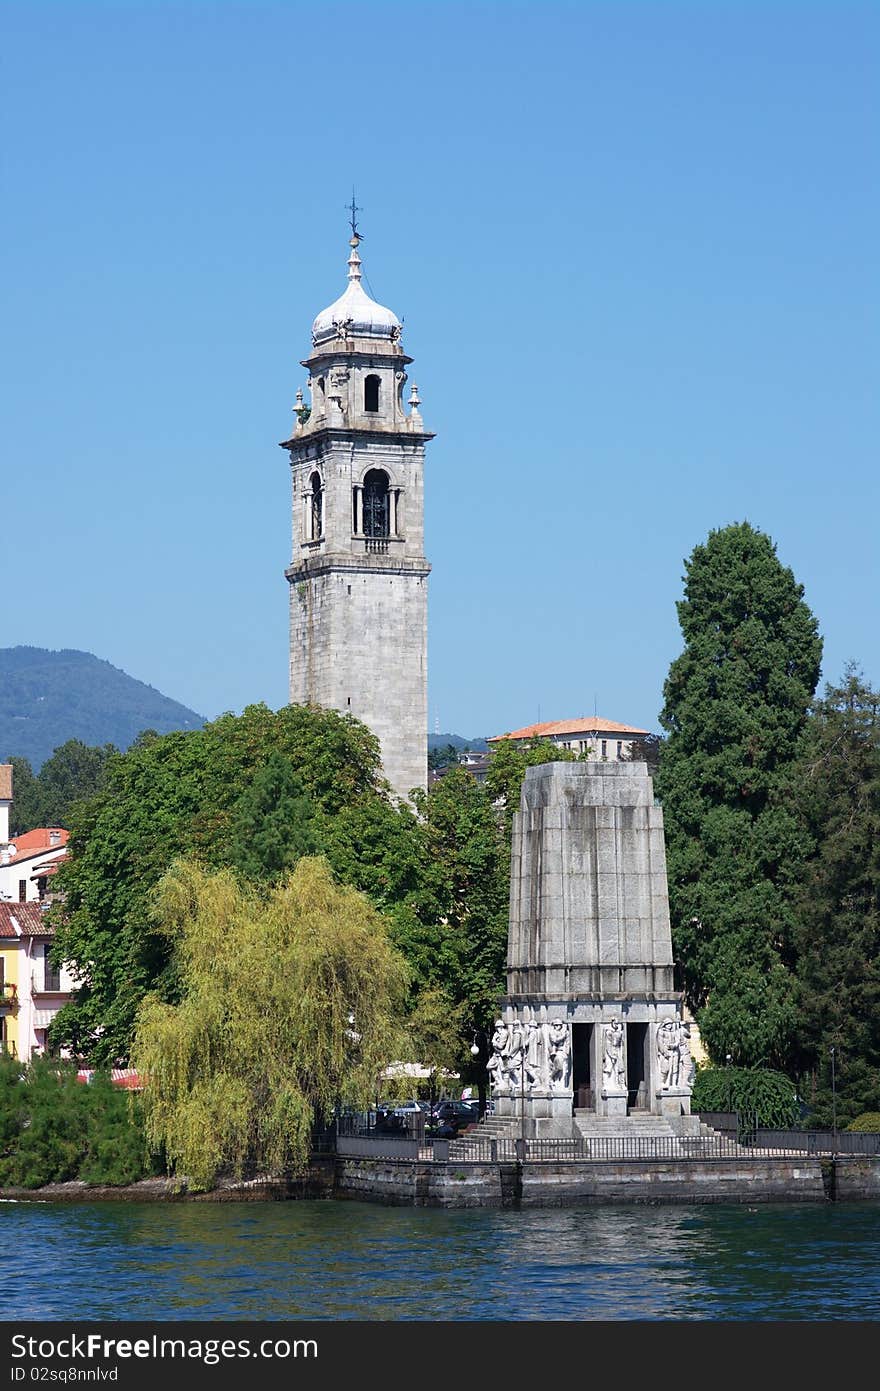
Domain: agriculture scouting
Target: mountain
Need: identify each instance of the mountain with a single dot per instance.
(48, 697)
(439, 741)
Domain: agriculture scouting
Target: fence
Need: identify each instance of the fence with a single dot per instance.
(817, 1141)
(678, 1149)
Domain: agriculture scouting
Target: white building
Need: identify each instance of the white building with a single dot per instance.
(588, 735)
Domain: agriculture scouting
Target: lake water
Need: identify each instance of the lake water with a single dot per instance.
(351, 1260)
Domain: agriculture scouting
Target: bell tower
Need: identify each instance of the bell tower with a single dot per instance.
(358, 574)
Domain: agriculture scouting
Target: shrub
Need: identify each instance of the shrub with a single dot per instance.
(868, 1123)
(766, 1097)
(54, 1128)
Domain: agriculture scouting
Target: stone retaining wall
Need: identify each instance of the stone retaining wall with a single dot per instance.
(569, 1182)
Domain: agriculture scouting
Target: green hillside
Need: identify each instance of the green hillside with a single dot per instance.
(47, 698)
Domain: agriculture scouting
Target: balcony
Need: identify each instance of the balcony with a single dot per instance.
(49, 985)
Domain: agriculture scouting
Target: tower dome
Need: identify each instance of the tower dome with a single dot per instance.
(354, 314)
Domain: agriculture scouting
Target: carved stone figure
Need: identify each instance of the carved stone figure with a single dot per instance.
(613, 1070)
(342, 327)
(673, 1053)
(559, 1050)
(497, 1064)
(521, 1073)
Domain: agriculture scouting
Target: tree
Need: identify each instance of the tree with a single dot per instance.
(273, 822)
(443, 757)
(435, 1032)
(836, 942)
(179, 794)
(292, 1002)
(74, 772)
(735, 705)
(25, 813)
(467, 909)
(646, 748)
(507, 769)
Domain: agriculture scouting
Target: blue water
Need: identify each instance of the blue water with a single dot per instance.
(351, 1260)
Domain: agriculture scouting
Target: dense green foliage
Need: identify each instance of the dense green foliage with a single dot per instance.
(735, 706)
(505, 774)
(190, 794)
(443, 756)
(48, 698)
(253, 793)
(292, 1003)
(835, 945)
(761, 1095)
(74, 773)
(54, 1128)
(868, 1123)
(273, 823)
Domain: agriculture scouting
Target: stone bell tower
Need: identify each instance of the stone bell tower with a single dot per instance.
(358, 575)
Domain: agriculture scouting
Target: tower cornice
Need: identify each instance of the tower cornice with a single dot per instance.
(328, 433)
(326, 563)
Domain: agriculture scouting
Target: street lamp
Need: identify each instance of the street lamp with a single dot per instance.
(833, 1051)
(728, 1058)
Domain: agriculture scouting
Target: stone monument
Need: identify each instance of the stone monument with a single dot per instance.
(591, 1022)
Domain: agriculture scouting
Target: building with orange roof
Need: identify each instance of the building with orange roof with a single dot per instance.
(588, 736)
(28, 861)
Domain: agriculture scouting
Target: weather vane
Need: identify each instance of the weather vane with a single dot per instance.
(354, 210)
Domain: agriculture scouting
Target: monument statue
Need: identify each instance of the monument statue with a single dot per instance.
(559, 1050)
(613, 1068)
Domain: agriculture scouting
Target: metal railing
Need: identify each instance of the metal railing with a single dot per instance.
(363, 1135)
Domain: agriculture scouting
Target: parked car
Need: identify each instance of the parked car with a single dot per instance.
(460, 1113)
(409, 1108)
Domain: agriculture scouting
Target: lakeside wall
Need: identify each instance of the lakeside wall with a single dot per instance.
(427, 1183)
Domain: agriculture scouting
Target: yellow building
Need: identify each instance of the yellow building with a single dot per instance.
(32, 990)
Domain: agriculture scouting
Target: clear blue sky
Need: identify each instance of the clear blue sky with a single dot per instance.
(636, 250)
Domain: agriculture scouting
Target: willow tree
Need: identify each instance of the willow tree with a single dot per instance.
(292, 1003)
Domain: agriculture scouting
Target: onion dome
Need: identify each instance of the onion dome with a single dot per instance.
(354, 314)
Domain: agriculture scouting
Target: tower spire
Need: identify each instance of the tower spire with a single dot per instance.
(352, 221)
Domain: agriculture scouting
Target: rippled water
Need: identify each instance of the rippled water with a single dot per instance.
(350, 1260)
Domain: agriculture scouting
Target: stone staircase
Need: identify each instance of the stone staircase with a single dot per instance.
(685, 1137)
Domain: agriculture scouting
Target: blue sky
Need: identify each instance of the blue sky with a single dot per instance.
(635, 247)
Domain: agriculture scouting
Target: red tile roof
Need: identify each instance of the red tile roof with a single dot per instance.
(586, 724)
(23, 920)
(40, 839)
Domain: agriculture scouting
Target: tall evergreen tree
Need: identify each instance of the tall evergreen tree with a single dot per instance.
(836, 942)
(273, 823)
(735, 705)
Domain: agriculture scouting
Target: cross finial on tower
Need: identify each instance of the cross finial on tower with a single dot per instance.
(354, 210)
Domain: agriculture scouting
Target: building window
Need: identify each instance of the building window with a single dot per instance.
(51, 974)
(22, 891)
(619, 749)
(376, 504)
(371, 393)
(604, 748)
(316, 517)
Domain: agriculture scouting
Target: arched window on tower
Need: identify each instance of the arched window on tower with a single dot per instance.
(371, 393)
(376, 504)
(316, 515)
